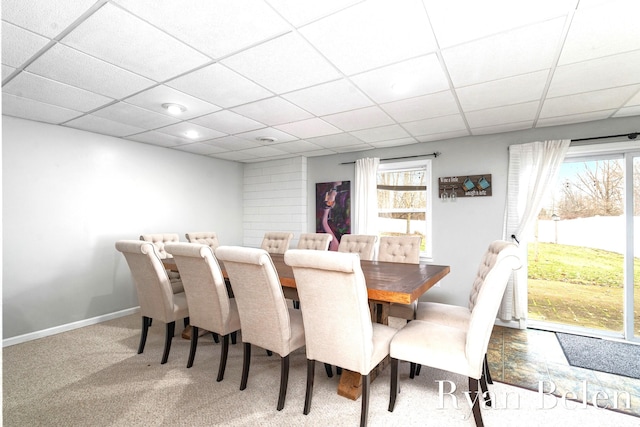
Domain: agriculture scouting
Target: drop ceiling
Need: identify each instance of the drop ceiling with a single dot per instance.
(272, 79)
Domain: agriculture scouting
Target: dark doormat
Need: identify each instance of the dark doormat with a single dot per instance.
(601, 355)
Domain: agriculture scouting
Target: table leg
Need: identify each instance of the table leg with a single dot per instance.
(350, 385)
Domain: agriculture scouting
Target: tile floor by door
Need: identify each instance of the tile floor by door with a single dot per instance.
(530, 357)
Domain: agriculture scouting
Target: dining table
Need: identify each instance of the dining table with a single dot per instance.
(387, 282)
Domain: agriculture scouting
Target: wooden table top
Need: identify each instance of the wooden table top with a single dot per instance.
(386, 281)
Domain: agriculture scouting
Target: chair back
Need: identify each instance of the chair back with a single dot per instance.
(489, 260)
(335, 309)
(362, 244)
(153, 286)
(208, 238)
(276, 242)
(315, 241)
(500, 264)
(159, 239)
(264, 316)
(207, 297)
(404, 249)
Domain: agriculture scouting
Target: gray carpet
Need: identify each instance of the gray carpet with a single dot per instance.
(92, 376)
(601, 355)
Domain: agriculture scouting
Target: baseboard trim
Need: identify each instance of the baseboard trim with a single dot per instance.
(67, 327)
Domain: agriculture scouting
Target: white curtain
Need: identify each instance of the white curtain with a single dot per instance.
(365, 198)
(533, 168)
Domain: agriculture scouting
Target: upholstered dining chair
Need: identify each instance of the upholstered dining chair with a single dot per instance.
(459, 316)
(314, 241)
(204, 238)
(337, 321)
(362, 244)
(455, 349)
(276, 242)
(159, 240)
(265, 319)
(405, 249)
(210, 307)
(153, 287)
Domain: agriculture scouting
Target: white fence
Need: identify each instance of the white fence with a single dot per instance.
(598, 232)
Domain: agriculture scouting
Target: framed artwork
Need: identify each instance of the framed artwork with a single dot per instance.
(333, 210)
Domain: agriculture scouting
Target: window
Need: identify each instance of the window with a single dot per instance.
(404, 201)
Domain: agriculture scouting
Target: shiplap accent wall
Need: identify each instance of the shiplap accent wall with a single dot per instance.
(275, 199)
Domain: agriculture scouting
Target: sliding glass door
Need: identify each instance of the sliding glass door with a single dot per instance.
(633, 266)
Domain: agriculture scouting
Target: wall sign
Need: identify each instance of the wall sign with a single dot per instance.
(452, 187)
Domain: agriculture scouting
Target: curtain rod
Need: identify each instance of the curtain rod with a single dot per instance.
(434, 154)
(632, 135)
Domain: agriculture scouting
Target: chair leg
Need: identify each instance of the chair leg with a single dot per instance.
(418, 366)
(393, 389)
(364, 412)
(245, 365)
(473, 392)
(146, 322)
(311, 367)
(171, 328)
(484, 390)
(185, 321)
(338, 370)
(224, 351)
(269, 353)
(296, 304)
(234, 337)
(194, 345)
(216, 337)
(412, 370)
(327, 368)
(487, 374)
(284, 381)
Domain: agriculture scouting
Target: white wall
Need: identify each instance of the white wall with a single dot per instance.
(463, 230)
(275, 199)
(68, 195)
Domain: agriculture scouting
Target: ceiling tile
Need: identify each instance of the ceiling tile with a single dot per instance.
(508, 91)
(160, 139)
(596, 74)
(309, 128)
(441, 136)
(442, 124)
(509, 127)
(478, 19)
(338, 140)
(501, 56)
(359, 119)
(393, 143)
(273, 111)
(99, 125)
(34, 110)
(372, 34)
(628, 111)
(352, 148)
(153, 99)
(199, 148)
(381, 134)
(134, 116)
(233, 143)
(422, 107)
(328, 98)
(215, 27)
(180, 130)
(87, 72)
(266, 151)
(256, 135)
(574, 118)
(284, 64)
(414, 77)
(47, 18)
(228, 122)
(29, 85)
(299, 12)
(606, 29)
(230, 88)
(133, 45)
(18, 44)
(238, 156)
(6, 71)
(586, 102)
(503, 115)
(297, 147)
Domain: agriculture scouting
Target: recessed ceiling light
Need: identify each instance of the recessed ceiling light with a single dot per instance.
(267, 139)
(191, 134)
(174, 109)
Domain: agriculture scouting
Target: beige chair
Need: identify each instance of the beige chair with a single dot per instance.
(276, 242)
(208, 238)
(460, 350)
(315, 241)
(159, 240)
(210, 307)
(362, 244)
(265, 319)
(337, 321)
(155, 296)
(405, 249)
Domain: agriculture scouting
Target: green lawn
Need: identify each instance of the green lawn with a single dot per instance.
(579, 286)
